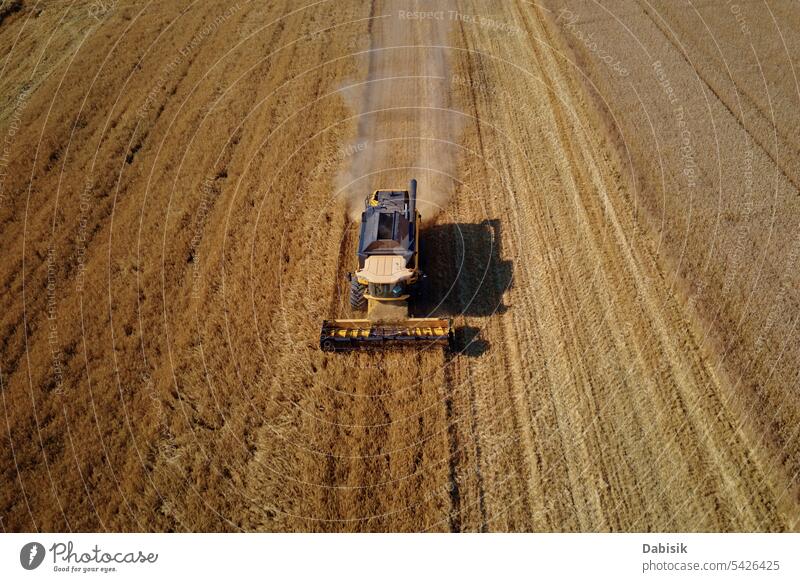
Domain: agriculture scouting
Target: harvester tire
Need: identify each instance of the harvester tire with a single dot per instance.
(357, 299)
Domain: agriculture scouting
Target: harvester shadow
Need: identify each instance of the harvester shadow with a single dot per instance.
(467, 343)
(464, 276)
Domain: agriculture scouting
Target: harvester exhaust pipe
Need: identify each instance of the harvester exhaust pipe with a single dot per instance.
(412, 197)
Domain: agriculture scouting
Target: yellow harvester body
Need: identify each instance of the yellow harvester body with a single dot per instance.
(388, 274)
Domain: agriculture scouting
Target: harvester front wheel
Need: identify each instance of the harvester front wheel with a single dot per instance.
(357, 299)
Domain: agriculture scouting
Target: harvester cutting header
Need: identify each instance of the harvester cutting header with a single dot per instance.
(387, 276)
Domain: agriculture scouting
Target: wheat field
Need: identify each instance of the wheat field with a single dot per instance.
(610, 205)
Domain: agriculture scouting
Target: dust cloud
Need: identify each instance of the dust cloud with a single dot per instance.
(407, 126)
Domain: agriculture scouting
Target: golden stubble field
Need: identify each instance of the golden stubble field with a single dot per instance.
(178, 185)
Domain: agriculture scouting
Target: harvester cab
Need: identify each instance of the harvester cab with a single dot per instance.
(388, 271)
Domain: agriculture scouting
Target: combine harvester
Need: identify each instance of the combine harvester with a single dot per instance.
(388, 272)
